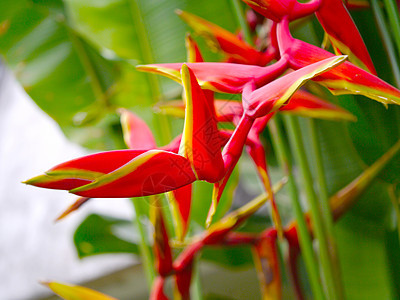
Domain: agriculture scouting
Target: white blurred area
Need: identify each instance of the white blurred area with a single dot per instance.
(32, 247)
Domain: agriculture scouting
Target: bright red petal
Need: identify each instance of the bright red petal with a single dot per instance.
(137, 134)
(200, 139)
(162, 249)
(220, 77)
(83, 170)
(344, 79)
(222, 40)
(344, 34)
(153, 172)
(272, 96)
(181, 200)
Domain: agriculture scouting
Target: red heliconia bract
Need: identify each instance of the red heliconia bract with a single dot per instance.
(344, 79)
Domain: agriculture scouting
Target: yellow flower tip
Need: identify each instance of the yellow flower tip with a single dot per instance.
(185, 76)
(34, 180)
(339, 59)
(184, 69)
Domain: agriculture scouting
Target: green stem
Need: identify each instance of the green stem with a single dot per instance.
(145, 252)
(197, 291)
(325, 207)
(387, 42)
(161, 122)
(318, 226)
(322, 186)
(282, 151)
(396, 204)
(238, 12)
(394, 20)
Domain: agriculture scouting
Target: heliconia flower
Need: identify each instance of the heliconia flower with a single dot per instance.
(267, 265)
(258, 103)
(344, 79)
(302, 103)
(306, 104)
(134, 173)
(291, 235)
(138, 135)
(200, 140)
(219, 39)
(231, 154)
(344, 35)
(75, 292)
(221, 77)
(269, 98)
(276, 10)
(162, 249)
(256, 150)
(226, 110)
(181, 202)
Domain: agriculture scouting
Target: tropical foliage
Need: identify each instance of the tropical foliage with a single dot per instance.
(289, 82)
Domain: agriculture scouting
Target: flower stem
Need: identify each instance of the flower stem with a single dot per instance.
(325, 207)
(386, 39)
(318, 225)
(145, 251)
(197, 291)
(282, 151)
(394, 20)
(238, 12)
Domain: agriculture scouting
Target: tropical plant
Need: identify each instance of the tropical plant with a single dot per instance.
(327, 140)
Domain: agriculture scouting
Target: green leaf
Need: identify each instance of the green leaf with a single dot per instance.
(376, 130)
(108, 24)
(99, 234)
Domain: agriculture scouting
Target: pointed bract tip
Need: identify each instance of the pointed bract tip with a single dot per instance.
(34, 180)
(178, 11)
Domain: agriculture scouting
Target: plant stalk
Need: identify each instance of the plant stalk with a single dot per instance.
(306, 246)
(145, 251)
(325, 207)
(318, 225)
(394, 20)
(386, 40)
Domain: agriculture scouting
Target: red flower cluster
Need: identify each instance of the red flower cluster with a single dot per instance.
(268, 82)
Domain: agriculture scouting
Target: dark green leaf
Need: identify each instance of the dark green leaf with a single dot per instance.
(99, 234)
